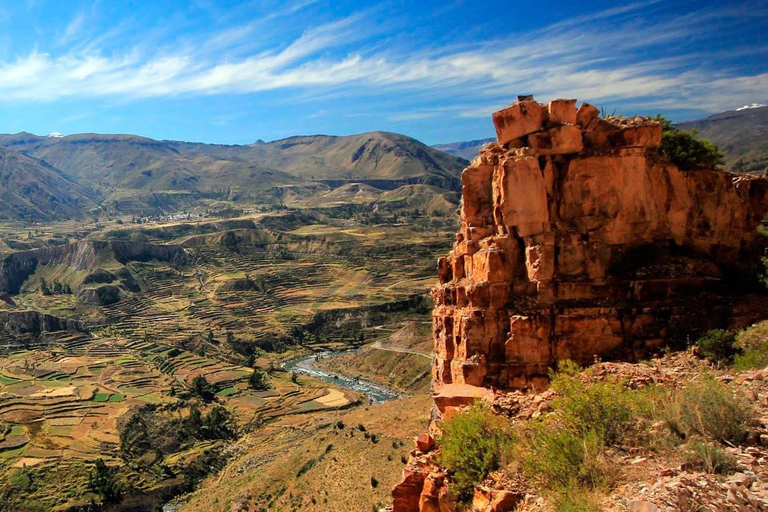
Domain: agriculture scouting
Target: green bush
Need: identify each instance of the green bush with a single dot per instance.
(563, 460)
(753, 342)
(104, 483)
(706, 408)
(718, 345)
(258, 380)
(605, 408)
(203, 388)
(687, 151)
(473, 444)
(708, 456)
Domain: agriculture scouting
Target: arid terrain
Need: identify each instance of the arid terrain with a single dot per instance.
(146, 324)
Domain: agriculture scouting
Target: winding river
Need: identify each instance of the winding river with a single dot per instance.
(378, 393)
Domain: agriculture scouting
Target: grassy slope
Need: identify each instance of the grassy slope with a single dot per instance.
(270, 471)
(32, 191)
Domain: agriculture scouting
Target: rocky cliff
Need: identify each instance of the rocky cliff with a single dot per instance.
(579, 240)
(87, 254)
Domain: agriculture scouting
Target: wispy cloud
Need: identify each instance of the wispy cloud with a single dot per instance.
(602, 56)
(73, 29)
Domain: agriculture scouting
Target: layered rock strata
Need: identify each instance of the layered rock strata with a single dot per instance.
(579, 240)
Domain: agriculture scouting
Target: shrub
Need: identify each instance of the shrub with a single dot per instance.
(605, 408)
(562, 459)
(706, 408)
(565, 453)
(708, 456)
(203, 388)
(104, 483)
(685, 150)
(258, 380)
(717, 345)
(753, 342)
(473, 444)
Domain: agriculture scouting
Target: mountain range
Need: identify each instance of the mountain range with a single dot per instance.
(741, 134)
(54, 177)
(135, 174)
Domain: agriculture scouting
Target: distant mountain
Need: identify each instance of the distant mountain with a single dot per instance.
(368, 156)
(132, 163)
(466, 150)
(741, 134)
(136, 174)
(32, 191)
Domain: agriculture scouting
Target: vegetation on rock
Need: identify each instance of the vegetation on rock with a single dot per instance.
(570, 452)
(473, 444)
(686, 150)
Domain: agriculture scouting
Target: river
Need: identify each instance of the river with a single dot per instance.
(378, 393)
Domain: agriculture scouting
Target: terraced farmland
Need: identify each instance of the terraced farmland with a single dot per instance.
(76, 369)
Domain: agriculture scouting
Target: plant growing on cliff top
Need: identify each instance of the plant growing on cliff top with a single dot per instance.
(473, 444)
(685, 149)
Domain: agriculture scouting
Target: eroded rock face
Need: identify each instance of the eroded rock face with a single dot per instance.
(17, 267)
(579, 240)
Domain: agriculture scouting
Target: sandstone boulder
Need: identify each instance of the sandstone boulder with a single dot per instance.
(519, 119)
(562, 111)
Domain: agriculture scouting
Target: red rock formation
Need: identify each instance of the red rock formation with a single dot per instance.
(578, 240)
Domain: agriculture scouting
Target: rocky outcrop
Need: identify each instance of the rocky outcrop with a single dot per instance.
(579, 240)
(17, 267)
(104, 295)
(33, 322)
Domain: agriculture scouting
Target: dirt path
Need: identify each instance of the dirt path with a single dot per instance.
(378, 346)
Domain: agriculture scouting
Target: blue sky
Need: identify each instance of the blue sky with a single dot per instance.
(233, 72)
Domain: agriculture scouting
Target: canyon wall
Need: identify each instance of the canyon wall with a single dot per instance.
(86, 254)
(580, 240)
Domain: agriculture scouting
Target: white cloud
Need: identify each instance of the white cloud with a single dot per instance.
(601, 56)
(73, 29)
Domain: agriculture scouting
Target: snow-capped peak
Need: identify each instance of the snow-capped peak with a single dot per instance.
(752, 105)
(55, 135)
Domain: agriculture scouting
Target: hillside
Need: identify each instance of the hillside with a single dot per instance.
(466, 150)
(741, 134)
(138, 175)
(121, 165)
(367, 156)
(32, 191)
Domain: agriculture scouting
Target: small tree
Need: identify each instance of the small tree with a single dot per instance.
(218, 424)
(44, 289)
(259, 380)
(685, 149)
(104, 483)
(203, 388)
